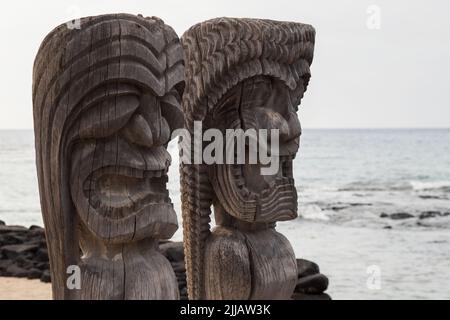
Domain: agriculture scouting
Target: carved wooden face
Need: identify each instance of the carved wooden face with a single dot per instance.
(119, 166)
(244, 192)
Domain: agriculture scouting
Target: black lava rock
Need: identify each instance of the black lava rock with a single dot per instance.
(4, 264)
(33, 227)
(397, 216)
(428, 197)
(401, 216)
(34, 273)
(429, 214)
(41, 255)
(42, 266)
(306, 268)
(173, 251)
(14, 251)
(45, 277)
(338, 208)
(433, 214)
(311, 284)
(304, 296)
(315, 284)
(16, 271)
(15, 229)
(23, 252)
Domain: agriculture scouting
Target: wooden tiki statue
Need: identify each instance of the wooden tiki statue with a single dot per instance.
(243, 74)
(106, 98)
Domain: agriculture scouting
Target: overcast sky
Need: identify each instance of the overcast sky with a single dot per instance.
(396, 75)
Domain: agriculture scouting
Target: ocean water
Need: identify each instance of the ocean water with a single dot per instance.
(347, 179)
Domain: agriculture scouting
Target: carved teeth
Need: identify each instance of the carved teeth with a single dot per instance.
(237, 176)
(142, 189)
(88, 185)
(95, 202)
(253, 196)
(286, 166)
(245, 192)
(240, 182)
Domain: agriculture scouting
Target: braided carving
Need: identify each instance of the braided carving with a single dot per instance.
(196, 197)
(219, 54)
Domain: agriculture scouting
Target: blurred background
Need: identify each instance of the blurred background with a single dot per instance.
(373, 171)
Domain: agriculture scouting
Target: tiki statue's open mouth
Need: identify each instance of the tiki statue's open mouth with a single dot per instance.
(120, 192)
(250, 196)
(120, 189)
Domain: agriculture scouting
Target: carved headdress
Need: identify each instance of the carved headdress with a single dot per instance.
(220, 54)
(88, 83)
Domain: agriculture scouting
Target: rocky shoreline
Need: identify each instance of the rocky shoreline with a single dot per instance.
(23, 254)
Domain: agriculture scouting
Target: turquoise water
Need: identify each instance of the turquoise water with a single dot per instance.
(346, 179)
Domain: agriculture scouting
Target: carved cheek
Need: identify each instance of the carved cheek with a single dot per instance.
(107, 117)
(295, 129)
(272, 120)
(81, 167)
(119, 189)
(226, 114)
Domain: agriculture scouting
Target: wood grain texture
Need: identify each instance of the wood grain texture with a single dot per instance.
(274, 265)
(228, 273)
(106, 98)
(242, 74)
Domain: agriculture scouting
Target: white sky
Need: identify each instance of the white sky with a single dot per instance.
(396, 76)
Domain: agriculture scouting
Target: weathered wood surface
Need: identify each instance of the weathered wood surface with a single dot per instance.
(23, 253)
(106, 98)
(243, 74)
